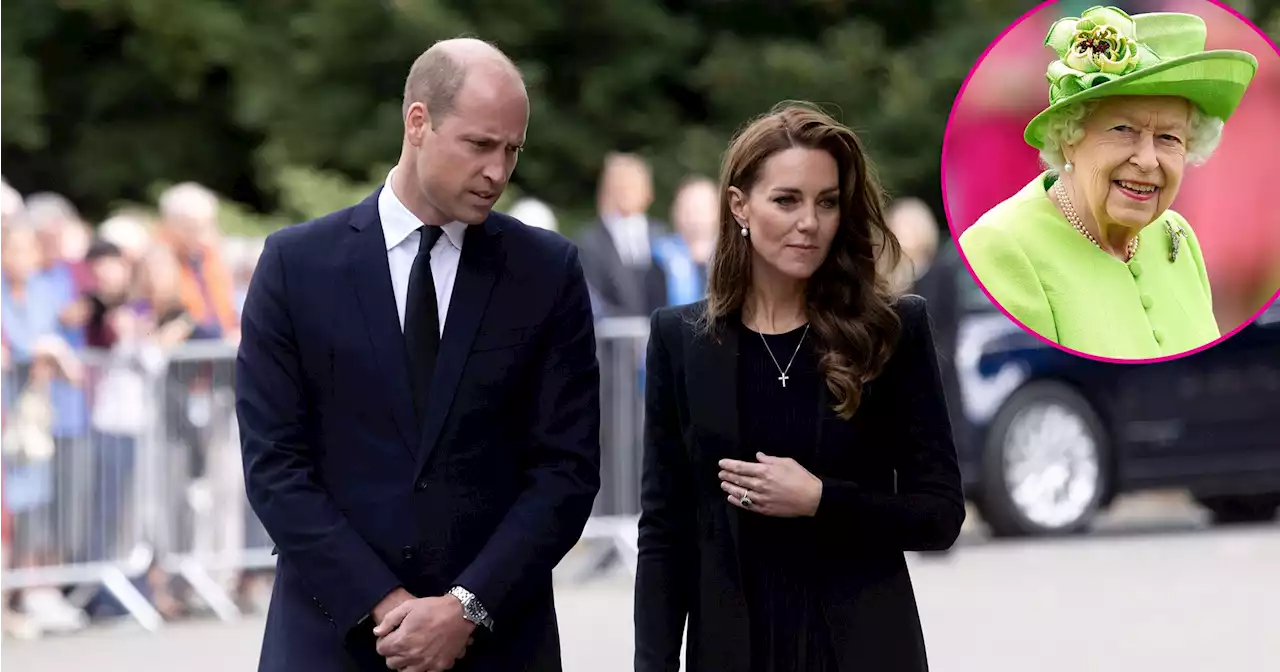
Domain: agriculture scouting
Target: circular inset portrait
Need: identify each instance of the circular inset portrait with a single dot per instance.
(1108, 176)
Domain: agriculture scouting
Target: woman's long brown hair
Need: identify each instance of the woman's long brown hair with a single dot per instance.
(848, 302)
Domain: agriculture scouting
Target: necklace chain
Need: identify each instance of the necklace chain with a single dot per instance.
(782, 373)
(1070, 211)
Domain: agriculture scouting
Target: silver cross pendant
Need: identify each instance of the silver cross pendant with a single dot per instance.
(783, 378)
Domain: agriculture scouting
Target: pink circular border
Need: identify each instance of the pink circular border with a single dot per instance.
(947, 211)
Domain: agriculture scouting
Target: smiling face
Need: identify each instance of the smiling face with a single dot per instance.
(792, 213)
(463, 163)
(1129, 164)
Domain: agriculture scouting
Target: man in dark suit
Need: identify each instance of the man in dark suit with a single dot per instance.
(417, 390)
(617, 254)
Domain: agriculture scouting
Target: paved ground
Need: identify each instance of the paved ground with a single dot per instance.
(1153, 590)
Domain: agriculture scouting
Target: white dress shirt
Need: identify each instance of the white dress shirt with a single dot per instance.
(400, 231)
(631, 238)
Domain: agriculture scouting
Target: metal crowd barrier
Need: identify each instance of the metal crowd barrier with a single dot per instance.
(140, 475)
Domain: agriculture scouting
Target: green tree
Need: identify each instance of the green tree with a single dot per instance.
(288, 107)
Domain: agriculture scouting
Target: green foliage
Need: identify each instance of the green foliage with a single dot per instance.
(291, 108)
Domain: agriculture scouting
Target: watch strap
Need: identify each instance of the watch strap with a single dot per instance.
(472, 609)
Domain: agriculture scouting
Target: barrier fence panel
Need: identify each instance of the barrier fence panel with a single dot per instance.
(622, 343)
(76, 434)
(210, 533)
(125, 481)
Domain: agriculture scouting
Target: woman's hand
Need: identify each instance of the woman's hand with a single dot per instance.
(774, 486)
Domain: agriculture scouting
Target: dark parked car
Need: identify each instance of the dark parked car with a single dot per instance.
(1047, 440)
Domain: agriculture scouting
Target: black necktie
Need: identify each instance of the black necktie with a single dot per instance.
(422, 321)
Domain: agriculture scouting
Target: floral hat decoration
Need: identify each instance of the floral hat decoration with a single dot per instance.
(1106, 52)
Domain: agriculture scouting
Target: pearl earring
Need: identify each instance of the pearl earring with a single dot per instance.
(1067, 167)
(743, 231)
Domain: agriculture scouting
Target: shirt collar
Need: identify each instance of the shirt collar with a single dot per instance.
(398, 222)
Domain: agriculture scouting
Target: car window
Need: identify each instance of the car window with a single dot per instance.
(1271, 315)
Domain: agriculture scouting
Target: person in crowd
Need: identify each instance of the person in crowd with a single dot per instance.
(30, 488)
(535, 213)
(189, 223)
(30, 302)
(62, 233)
(617, 253)
(14, 623)
(248, 251)
(1090, 255)
(67, 280)
(11, 202)
(111, 289)
(419, 511)
(159, 312)
(796, 437)
(188, 214)
(916, 229)
(131, 232)
(683, 256)
(119, 415)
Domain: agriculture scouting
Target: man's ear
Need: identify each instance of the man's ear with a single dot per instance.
(417, 123)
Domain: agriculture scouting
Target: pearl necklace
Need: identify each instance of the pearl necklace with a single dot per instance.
(1070, 211)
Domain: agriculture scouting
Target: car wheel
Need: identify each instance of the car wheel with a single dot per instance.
(1045, 463)
(1241, 509)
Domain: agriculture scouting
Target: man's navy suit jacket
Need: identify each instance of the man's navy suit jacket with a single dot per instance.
(489, 494)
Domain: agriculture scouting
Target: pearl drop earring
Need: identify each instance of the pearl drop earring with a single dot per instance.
(1067, 167)
(743, 231)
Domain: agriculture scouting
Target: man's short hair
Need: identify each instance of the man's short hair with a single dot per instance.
(436, 77)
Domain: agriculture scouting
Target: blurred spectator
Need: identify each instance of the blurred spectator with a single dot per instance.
(61, 231)
(913, 224)
(13, 623)
(617, 258)
(129, 231)
(189, 216)
(11, 203)
(64, 281)
(30, 476)
(112, 283)
(188, 389)
(242, 256)
(533, 212)
(159, 303)
(31, 302)
(683, 255)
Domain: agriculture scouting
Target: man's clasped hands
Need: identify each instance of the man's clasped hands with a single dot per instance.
(421, 634)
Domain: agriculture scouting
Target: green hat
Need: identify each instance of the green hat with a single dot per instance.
(1105, 52)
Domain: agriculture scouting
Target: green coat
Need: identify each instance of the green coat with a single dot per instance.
(1060, 285)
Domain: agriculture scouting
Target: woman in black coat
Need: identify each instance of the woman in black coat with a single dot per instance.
(796, 433)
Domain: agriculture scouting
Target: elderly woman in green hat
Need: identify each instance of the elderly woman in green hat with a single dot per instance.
(1089, 255)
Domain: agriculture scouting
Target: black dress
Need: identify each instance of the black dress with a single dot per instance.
(789, 632)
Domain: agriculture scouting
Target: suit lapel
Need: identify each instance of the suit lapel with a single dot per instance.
(477, 271)
(621, 275)
(367, 269)
(713, 402)
(713, 389)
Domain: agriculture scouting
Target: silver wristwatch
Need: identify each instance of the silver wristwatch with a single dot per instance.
(472, 610)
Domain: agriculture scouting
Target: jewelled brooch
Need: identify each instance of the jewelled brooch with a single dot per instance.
(1174, 244)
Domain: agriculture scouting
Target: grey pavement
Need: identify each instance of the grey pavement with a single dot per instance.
(1154, 589)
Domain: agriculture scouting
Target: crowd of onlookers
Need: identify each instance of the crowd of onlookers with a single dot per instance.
(89, 317)
(94, 318)
(635, 262)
